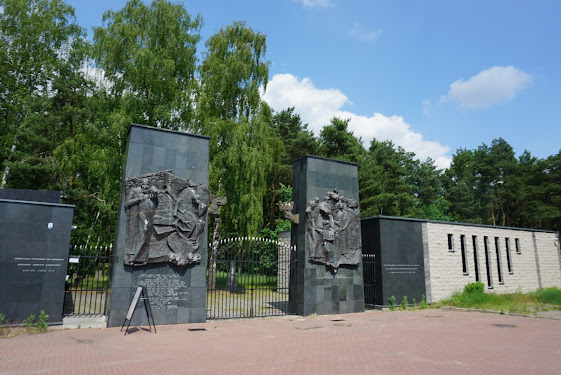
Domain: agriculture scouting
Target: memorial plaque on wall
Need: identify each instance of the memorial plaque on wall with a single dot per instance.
(162, 227)
(33, 258)
(398, 247)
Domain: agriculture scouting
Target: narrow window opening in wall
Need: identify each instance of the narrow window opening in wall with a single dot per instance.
(464, 260)
(517, 244)
(507, 248)
(450, 242)
(498, 254)
(475, 261)
(487, 262)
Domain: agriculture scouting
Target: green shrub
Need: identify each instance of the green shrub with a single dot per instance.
(423, 304)
(41, 323)
(2, 317)
(392, 303)
(476, 287)
(29, 320)
(549, 295)
(404, 303)
(414, 302)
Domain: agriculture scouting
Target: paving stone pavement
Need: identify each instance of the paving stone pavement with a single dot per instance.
(374, 342)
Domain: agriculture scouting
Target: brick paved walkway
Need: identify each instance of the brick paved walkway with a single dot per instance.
(374, 342)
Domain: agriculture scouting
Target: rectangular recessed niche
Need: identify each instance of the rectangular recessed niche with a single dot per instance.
(450, 242)
(508, 261)
(464, 260)
(475, 260)
(498, 254)
(488, 262)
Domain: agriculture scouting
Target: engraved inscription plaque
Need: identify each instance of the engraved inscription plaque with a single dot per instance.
(165, 291)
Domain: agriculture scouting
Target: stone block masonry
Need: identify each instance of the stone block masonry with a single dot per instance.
(526, 272)
(316, 288)
(177, 294)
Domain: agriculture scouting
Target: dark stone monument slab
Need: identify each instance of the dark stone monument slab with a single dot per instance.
(399, 259)
(164, 196)
(327, 278)
(34, 245)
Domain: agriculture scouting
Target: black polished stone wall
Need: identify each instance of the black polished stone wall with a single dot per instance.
(34, 245)
(177, 295)
(314, 288)
(398, 247)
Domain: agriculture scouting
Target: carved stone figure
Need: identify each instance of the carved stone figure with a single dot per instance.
(332, 229)
(166, 219)
(286, 207)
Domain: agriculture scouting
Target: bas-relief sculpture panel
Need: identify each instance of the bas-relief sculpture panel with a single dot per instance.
(333, 230)
(165, 219)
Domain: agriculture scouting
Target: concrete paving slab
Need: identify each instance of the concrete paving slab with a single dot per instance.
(373, 342)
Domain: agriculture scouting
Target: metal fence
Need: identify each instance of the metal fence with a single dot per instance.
(89, 280)
(248, 277)
(369, 277)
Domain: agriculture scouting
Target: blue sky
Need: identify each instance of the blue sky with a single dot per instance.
(432, 76)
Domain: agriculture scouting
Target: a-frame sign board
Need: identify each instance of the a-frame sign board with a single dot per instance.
(139, 295)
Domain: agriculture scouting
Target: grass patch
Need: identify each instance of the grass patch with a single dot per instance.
(549, 295)
(474, 296)
(30, 325)
(246, 281)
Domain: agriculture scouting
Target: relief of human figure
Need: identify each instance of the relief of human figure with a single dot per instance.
(326, 233)
(333, 230)
(311, 216)
(164, 216)
(139, 205)
(166, 219)
(341, 220)
(189, 223)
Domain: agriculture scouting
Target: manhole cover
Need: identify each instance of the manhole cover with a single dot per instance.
(505, 325)
(307, 328)
(433, 316)
(196, 329)
(338, 320)
(342, 325)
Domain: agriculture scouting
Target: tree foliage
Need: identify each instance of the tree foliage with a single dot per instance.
(42, 49)
(233, 70)
(148, 53)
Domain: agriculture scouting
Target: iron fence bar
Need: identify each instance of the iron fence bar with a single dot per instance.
(109, 269)
(90, 282)
(261, 289)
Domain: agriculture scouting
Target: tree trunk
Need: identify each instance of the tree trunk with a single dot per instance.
(213, 256)
(7, 170)
(212, 264)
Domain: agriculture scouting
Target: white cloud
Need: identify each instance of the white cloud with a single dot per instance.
(427, 105)
(317, 3)
(358, 32)
(317, 106)
(97, 75)
(489, 87)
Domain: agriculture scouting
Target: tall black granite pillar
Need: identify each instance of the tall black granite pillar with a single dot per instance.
(317, 287)
(177, 294)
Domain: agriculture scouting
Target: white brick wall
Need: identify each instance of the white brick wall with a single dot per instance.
(446, 274)
(548, 254)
